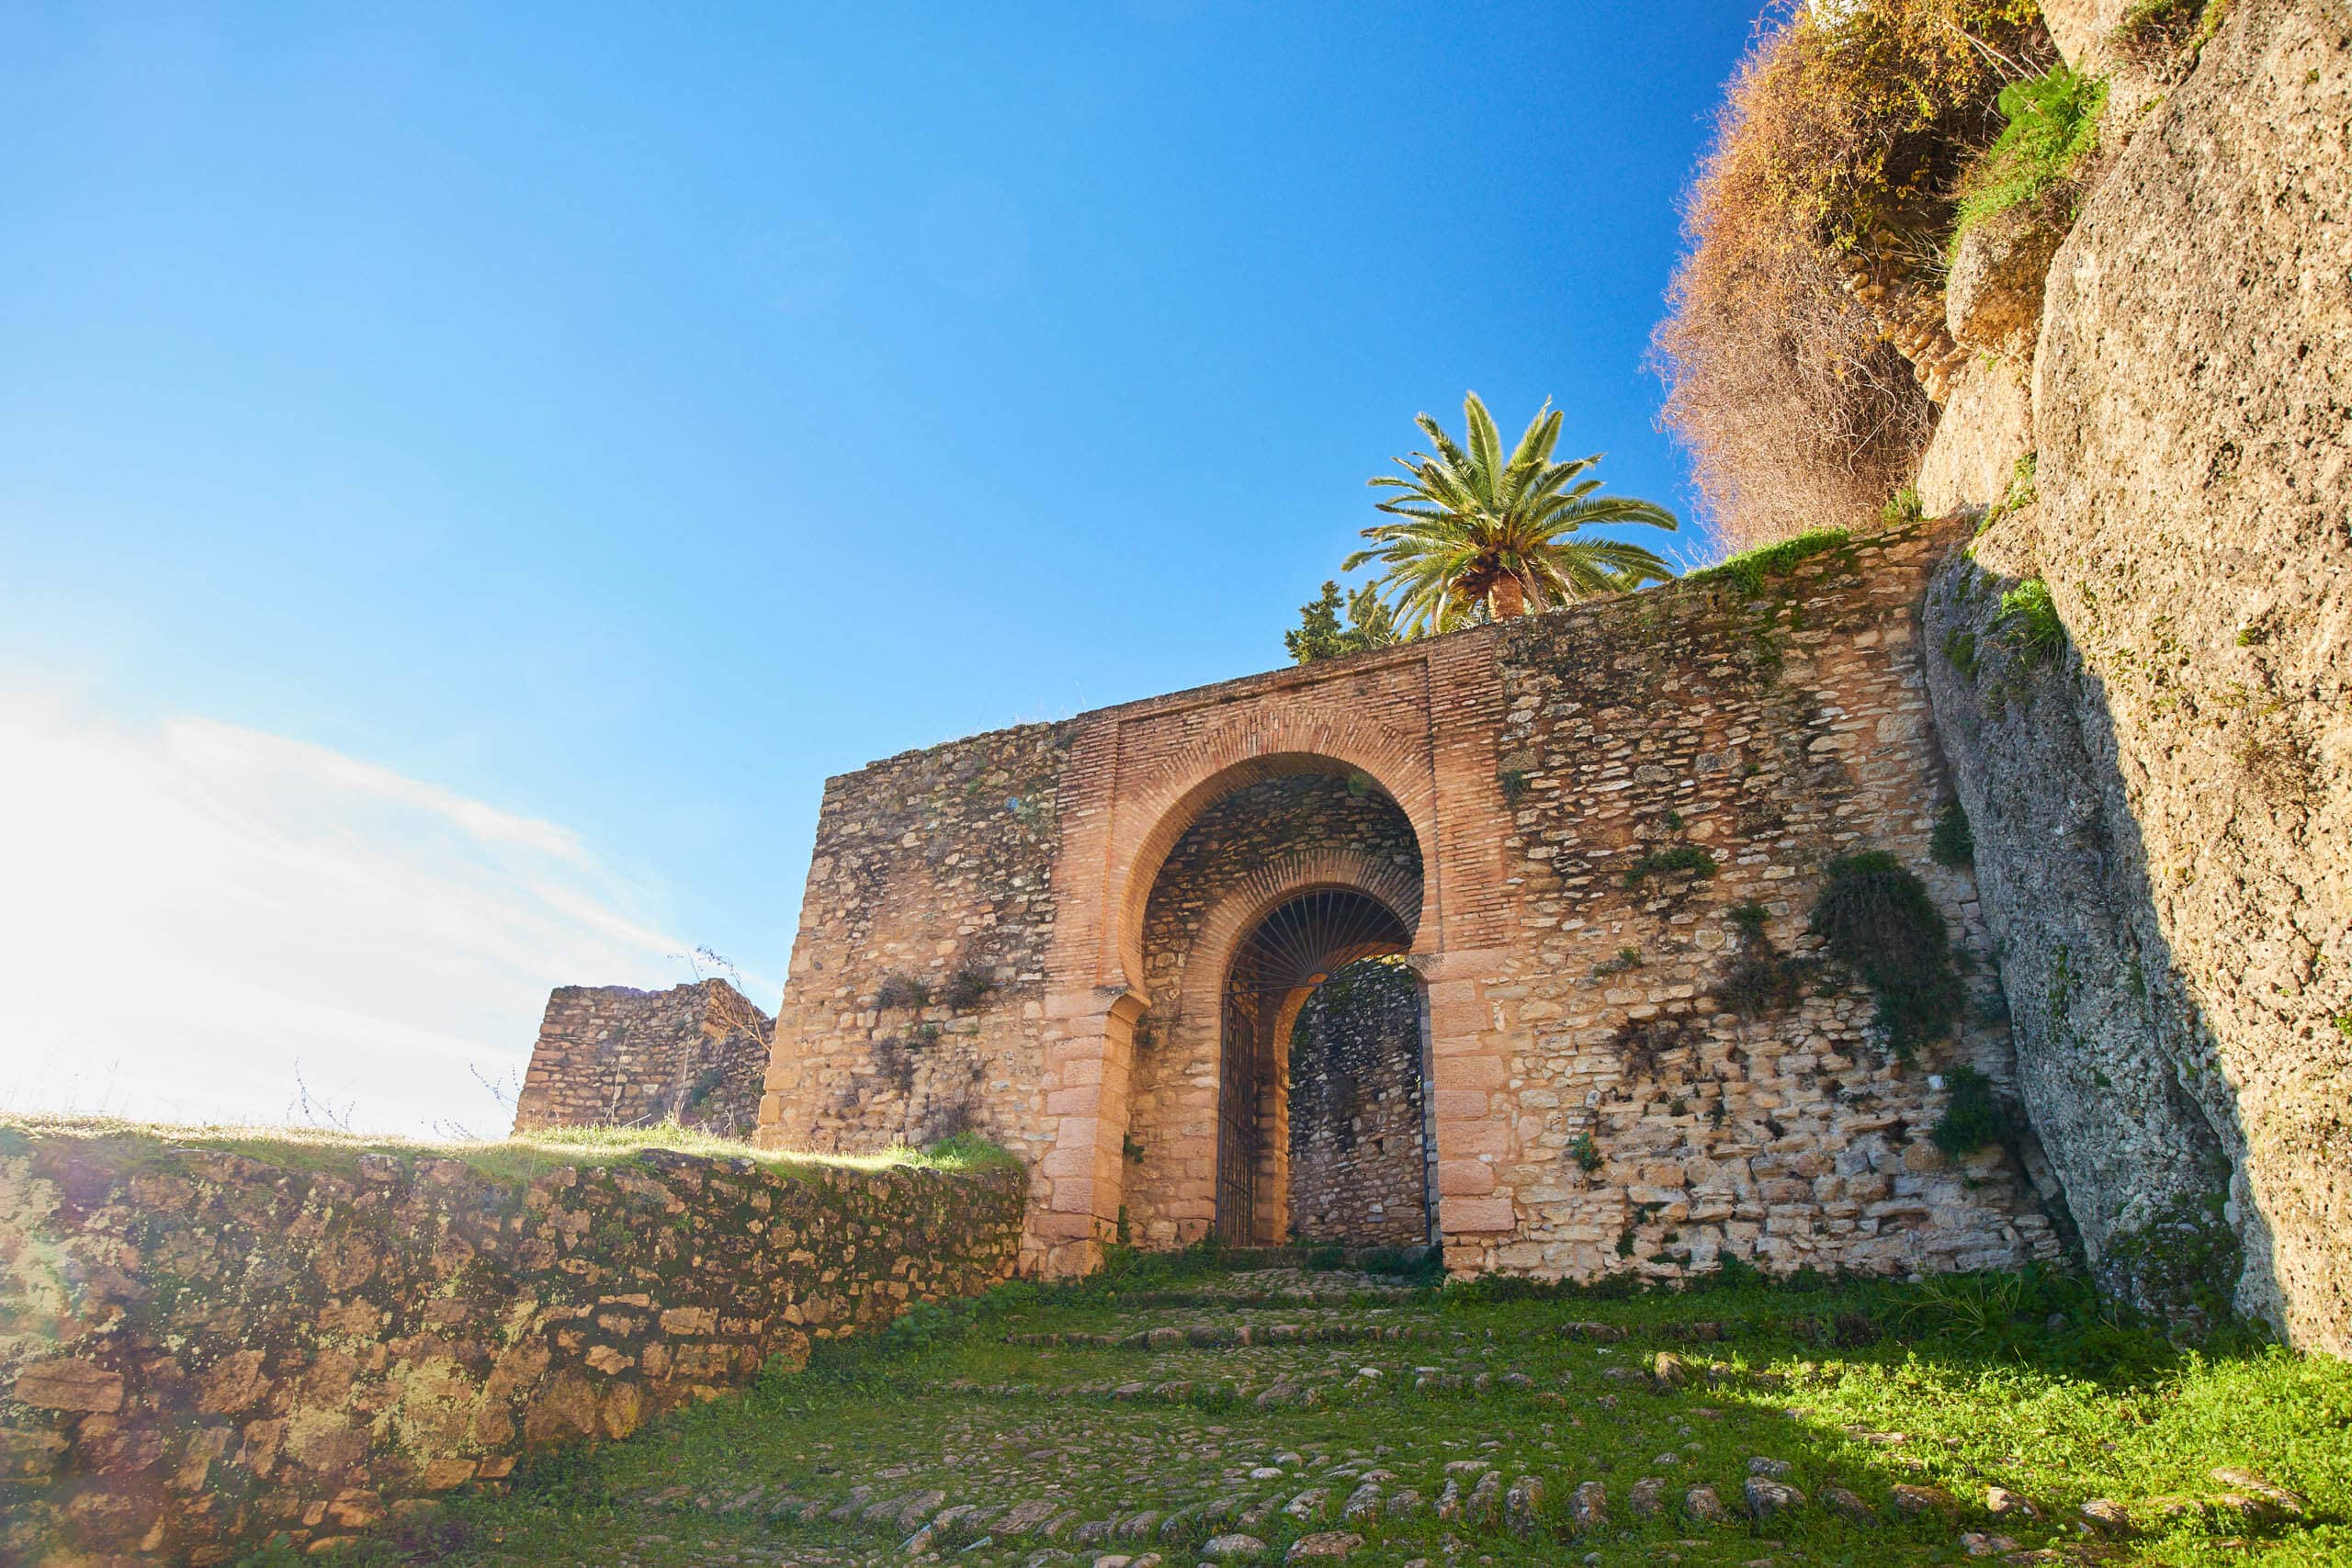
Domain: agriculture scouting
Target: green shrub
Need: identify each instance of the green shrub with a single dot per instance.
(1902, 508)
(1585, 1155)
(1953, 841)
(1974, 1118)
(1877, 919)
(1670, 861)
(2052, 123)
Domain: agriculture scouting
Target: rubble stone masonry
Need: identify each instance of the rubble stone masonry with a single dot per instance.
(200, 1348)
(608, 1055)
(1588, 794)
(1359, 1166)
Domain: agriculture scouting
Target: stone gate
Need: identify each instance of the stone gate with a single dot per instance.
(1090, 940)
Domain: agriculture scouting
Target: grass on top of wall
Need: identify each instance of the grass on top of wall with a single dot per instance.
(519, 1158)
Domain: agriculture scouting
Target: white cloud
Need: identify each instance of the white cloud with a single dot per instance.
(189, 908)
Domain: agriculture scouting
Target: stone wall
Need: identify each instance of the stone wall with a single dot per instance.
(200, 1348)
(928, 867)
(2164, 801)
(608, 1055)
(1359, 1147)
(1678, 759)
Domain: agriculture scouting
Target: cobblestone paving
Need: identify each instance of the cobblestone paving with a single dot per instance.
(1278, 1417)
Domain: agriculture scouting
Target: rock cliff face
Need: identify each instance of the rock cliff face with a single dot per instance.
(2163, 804)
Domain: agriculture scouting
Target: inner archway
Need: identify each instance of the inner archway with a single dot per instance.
(1286, 958)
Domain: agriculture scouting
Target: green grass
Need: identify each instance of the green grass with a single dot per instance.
(1749, 569)
(519, 1158)
(2052, 123)
(2021, 1381)
(2029, 620)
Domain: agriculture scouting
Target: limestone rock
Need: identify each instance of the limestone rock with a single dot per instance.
(1236, 1548)
(2107, 1518)
(1766, 1497)
(2187, 388)
(1323, 1544)
(1993, 295)
(2000, 1502)
(67, 1383)
(1986, 425)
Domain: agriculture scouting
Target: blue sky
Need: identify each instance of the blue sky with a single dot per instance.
(431, 437)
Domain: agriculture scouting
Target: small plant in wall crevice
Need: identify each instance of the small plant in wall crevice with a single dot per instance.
(971, 986)
(901, 991)
(1672, 860)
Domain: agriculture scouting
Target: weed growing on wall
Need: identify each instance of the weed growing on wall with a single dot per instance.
(1752, 570)
(2028, 620)
(971, 986)
(901, 991)
(1878, 921)
(1974, 1117)
(1674, 860)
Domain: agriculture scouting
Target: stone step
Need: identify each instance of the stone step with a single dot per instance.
(1472, 1497)
(1294, 1296)
(1219, 1336)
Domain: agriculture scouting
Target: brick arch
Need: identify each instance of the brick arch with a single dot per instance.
(1154, 813)
(1236, 915)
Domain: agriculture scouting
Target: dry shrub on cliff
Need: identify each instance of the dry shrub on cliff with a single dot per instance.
(1843, 134)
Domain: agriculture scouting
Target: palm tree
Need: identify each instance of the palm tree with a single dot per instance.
(1480, 529)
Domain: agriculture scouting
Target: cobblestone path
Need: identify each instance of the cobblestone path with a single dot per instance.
(1276, 1417)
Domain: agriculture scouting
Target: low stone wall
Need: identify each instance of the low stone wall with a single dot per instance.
(200, 1348)
(612, 1056)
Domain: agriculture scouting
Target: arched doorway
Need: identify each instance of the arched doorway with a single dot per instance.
(1274, 885)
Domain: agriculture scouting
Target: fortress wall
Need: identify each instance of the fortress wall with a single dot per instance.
(1592, 1114)
(1359, 1171)
(927, 865)
(1773, 729)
